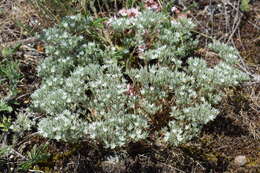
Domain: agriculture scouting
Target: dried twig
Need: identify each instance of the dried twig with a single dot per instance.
(35, 171)
(24, 41)
(19, 154)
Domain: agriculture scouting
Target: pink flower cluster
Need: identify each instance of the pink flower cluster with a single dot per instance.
(178, 13)
(130, 90)
(132, 12)
(141, 49)
(175, 10)
(152, 5)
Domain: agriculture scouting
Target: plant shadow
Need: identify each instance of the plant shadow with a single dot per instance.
(223, 125)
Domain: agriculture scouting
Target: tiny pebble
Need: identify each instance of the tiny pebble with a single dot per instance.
(240, 160)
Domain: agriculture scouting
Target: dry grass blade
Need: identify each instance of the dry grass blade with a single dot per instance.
(19, 19)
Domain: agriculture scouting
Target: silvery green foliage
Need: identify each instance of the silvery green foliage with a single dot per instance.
(65, 126)
(227, 53)
(107, 105)
(23, 122)
(66, 48)
(119, 130)
(190, 121)
(169, 40)
(146, 78)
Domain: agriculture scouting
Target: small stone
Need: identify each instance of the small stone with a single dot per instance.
(240, 160)
(158, 144)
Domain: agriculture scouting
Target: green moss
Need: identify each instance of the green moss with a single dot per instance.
(44, 169)
(205, 152)
(244, 6)
(63, 155)
(253, 162)
(211, 157)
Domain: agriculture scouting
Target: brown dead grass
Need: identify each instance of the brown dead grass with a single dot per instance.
(18, 20)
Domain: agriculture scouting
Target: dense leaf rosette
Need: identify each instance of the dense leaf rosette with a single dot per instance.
(136, 77)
